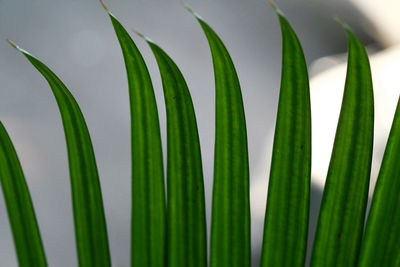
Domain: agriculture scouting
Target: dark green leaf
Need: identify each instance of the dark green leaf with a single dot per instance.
(341, 219)
(380, 246)
(148, 197)
(187, 237)
(286, 219)
(230, 226)
(22, 218)
(90, 224)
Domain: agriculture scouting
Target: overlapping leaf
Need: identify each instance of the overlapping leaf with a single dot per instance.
(230, 226)
(187, 237)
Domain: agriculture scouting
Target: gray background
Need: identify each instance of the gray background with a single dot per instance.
(76, 40)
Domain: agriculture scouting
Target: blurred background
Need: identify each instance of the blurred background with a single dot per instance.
(76, 40)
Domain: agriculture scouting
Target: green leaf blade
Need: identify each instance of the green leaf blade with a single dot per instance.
(341, 219)
(380, 246)
(230, 222)
(27, 240)
(187, 236)
(89, 218)
(286, 219)
(148, 229)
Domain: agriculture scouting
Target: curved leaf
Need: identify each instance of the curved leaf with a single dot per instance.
(187, 237)
(148, 197)
(341, 219)
(230, 225)
(28, 243)
(380, 246)
(286, 219)
(90, 224)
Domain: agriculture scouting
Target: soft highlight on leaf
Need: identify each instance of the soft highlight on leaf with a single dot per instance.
(380, 245)
(148, 229)
(90, 224)
(286, 219)
(27, 240)
(341, 219)
(230, 222)
(187, 236)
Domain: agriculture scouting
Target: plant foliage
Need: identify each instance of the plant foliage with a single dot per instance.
(28, 243)
(286, 217)
(341, 219)
(148, 229)
(171, 231)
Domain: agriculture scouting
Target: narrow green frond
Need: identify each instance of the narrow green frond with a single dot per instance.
(148, 198)
(286, 219)
(90, 224)
(341, 219)
(28, 243)
(187, 237)
(230, 226)
(380, 246)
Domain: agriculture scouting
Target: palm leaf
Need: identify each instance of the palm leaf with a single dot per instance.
(341, 219)
(28, 243)
(187, 236)
(380, 246)
(90, 224)
(230, 225)
(286, 219)
(148, 198)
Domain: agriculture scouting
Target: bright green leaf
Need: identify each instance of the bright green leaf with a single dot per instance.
(148, 198)
(22, 218)
(380, 246)
(341, 219)
(90, 224)
(187, 236)
(286, 219)
(230, 226)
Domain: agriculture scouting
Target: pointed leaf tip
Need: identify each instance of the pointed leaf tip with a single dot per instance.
(275, 6)
(104, 6)
(13, 44)
(137, 32)
(17, 47)
(343, 23)
(185, 5)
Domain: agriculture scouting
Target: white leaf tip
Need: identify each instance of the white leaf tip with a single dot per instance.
(273, 4)
(104, 6)
(140, 34)
(275, 7)
(18, 48)
(13, 44)
(185, 5)
(339, 20)
(342, 22)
